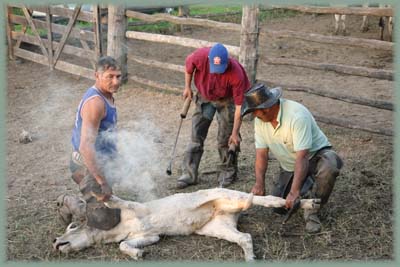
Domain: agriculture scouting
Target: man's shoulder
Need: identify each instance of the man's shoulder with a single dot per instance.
(201, 52)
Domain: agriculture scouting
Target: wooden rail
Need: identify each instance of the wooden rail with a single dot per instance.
(59, 11)
(361, 11)
(68, 49)
(182, 20)
(60, 65)
(335, 40)
(183, 41)
(56, 28)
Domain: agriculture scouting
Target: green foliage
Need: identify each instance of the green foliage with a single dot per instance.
(17, 11)
(206, 10)
(18, 28)
(159, 27)
(276, 13)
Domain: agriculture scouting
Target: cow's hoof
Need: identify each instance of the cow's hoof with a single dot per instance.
(134, 253)
(250, 259)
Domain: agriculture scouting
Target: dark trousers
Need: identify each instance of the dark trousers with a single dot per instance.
(201, 121)
(323, 169)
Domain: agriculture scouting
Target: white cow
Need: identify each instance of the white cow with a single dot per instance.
(210, 212)
(384, 22)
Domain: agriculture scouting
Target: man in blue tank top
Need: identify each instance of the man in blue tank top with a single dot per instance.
(95, 121)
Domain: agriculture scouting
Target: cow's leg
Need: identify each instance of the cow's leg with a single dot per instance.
(116, 203)
(364, 24)
(223, 226)
(343, 19)
(337, 19)
(130, 247)
(390, 28)
(232, 205)
(278, 202)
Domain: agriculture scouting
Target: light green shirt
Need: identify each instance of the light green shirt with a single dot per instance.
(296, 130)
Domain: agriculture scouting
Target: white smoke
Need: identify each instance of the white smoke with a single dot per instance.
(138, 161)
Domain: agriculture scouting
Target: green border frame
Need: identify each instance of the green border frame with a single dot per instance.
(3, 109)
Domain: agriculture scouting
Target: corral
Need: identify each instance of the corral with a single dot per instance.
(358, 220)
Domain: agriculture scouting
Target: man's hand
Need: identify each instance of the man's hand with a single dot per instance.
(187, 93)
(258, 190)
(105, 193)
(290, 199)
(235, 138)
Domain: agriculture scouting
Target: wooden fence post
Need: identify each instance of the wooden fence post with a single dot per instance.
(8, 11)
(248, 55)
(183, 11)
(116, 40)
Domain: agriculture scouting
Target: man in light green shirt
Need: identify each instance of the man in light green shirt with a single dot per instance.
(308, 165)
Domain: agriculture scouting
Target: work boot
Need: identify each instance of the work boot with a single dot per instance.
(190, 166)
(184, 181)
(313, 224)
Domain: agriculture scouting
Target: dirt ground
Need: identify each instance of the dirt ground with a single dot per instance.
(357, 221)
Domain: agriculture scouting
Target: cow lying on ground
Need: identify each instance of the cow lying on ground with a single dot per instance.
(210, 212)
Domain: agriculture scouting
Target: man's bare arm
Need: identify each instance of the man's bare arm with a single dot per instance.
(92, 113)
(261, 166)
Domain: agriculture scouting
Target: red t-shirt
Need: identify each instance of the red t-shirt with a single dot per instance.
(213, 86)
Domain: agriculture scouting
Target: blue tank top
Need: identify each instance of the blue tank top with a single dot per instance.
(105, 141)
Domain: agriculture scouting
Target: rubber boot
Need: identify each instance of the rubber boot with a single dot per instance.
(190, 166)
(313, 223)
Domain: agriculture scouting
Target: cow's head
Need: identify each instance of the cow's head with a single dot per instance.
(76, 237)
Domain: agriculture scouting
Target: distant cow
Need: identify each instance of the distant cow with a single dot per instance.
(340, 23)
(211, 212)
(384, 22)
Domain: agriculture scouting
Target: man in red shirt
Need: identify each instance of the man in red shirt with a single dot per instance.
(221, 83)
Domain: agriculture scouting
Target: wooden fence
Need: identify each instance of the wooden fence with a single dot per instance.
(247, 52)
(40, 33)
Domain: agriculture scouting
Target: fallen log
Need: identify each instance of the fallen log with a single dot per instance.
(339, 68)
(361, 11)
(351, 125)
(155, 63)
(156, 84)
(334, 95)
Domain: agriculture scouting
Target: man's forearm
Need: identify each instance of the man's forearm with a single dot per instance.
(188, 80)
(88, 155)
(300, 173)
(237, 121)
(261, 166)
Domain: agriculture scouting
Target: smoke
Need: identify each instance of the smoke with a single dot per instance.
(137, 162)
